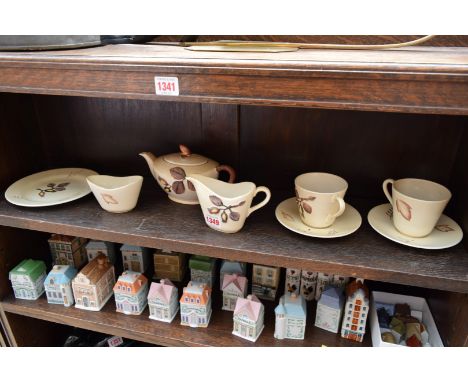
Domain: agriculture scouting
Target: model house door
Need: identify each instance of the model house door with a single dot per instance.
(243, 330)
(85, 301)
(193, 319)
(135, 265)
(232, 303)
(127, 307)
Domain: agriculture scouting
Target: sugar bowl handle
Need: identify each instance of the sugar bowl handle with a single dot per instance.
(229, 170)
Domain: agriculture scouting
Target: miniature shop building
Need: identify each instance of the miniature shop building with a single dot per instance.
(195, 305)
(248, 318)
(58, 286)
(95, 247)
(330, 309)
(202, 269)
(131, 291)
(27, 279)
(292, 280)
(163, 301)
(355, 311)
(290, 317)
(169, 265)
(265, 281)
(234, 286)
(68, 250)
(134, 258)
(231, 268)
(92, 287)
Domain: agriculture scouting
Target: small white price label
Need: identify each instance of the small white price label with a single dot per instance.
(115, 341)
(167, 86)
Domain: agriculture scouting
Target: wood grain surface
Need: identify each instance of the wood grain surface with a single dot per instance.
(141, 328)
(416, 80)
(158, 222)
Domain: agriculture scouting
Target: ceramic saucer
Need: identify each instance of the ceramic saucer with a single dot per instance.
(446, 233)
(49, 188)
(287, 214)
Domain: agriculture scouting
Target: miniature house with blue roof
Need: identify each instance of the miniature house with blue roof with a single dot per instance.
(96, 247)
(290, 317)
(27, 279)
(329, 309)
(231, 268)
(58, 285)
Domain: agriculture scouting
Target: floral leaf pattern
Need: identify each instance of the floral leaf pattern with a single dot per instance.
(404, 209)
(109, 199)
(178, 187)
(177, 173)
(164, 184)
(219, 206)
(190, 185)
(52, 187)
(444, 228)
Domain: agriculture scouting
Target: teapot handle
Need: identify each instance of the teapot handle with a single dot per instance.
(229, 170)
(263, 202)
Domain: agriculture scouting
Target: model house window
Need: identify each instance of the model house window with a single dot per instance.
(353, 327)
(350, 311)
(350, 305)
(349, 318)
(191, 300)
(355, 321)
(186, 299)
(198, 300)
(364, 308)
(363, 315)
(356, 314)
(360, 328)
(128, 289)
(362, 321)
(347, 325)
(125, 257)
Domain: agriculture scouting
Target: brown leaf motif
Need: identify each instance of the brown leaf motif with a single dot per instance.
(444, 228)
(216, 201)
(178, 187)
(303, 206)
(177, 173)
(404, 209)
(190, 185)
(214, 210)
(52, 187)
(234, 216)
(109, 199)
(307, 207)
(219, 206)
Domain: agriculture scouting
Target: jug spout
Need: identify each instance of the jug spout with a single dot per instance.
(150, 159)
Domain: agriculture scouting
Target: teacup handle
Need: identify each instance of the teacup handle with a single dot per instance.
(263, 202)
(385, 189)
(229, 170)
(341, 209)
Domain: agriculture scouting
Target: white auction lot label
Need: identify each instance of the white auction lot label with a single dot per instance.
(167, 86)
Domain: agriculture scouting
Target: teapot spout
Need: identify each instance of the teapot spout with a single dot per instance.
(150, 159)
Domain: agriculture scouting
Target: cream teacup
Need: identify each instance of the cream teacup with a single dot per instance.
(417, 204)
(319, 198)
(116, 194)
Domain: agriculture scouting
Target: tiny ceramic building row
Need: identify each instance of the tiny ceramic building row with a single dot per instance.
(233, 287)
(231, 268)
(134, 258)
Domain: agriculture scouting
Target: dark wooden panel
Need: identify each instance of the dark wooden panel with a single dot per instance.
(416, 80)
(106, 135)
(277, 144)
(20, 143)
(159, 223)
(141, 328)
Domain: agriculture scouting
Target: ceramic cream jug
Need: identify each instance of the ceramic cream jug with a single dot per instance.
(171, 172)
(225, 206)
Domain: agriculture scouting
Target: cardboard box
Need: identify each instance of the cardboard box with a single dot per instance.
(416, 304)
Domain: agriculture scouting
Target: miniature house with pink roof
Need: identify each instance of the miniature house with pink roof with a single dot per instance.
(233, 287)
(162, 301)
(248, 318)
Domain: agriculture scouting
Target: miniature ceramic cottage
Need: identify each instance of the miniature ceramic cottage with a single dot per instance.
(163, 301)
(27, 279)
(169, 265)
(130, 291)
(68, 250)
(234, 286)
(231, 268)
(202, 269)
(308, 284)
(290, 317)
(329, 309)
(195, 305)
(292, 281)
(96, 247)
(265, 281)
(92, 287)
(323, 279)
(355, 311)
(248, 318)
(58, 285)
(134, 258)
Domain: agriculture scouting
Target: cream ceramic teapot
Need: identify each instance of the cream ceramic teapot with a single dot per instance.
(170, 171)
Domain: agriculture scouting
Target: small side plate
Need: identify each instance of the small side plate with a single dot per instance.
(287, 214)
(447, 233)
(49, 188)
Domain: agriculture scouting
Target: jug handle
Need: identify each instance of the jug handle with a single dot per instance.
(229, 170)
(263, 202)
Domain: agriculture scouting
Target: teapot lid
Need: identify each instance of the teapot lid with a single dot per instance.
(185, 158)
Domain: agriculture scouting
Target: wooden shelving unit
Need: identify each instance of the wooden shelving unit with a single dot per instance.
(365, 115)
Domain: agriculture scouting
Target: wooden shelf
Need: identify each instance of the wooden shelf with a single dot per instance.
(414, 80)
(141, 328)
(159, 223)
